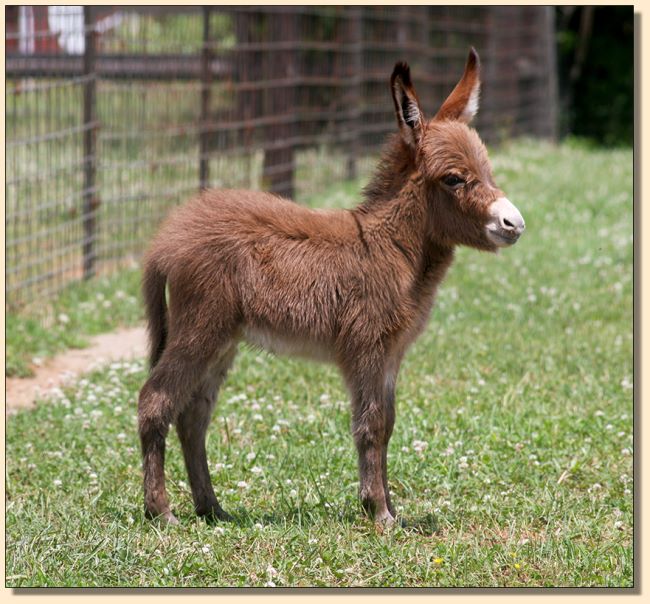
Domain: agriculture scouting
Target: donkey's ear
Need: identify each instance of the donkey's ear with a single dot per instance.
(462, 103)
(407, 107)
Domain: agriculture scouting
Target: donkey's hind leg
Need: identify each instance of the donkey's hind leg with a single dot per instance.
(191, 427)
(162, 398)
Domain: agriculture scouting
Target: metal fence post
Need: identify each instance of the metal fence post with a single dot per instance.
(90, 199)
(206, 80)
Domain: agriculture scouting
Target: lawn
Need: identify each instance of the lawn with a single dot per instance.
(511, 460)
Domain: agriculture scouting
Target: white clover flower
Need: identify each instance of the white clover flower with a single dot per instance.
(251, 456)
(242, 484)
(63, 318)
(256, 470)
(419, 445)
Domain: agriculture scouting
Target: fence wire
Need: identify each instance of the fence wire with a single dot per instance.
(115, 114)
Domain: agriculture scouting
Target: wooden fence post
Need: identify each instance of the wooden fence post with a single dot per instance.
(354, 38)
(550, 56)
(278, 171)
(90, 197)
(206, 81)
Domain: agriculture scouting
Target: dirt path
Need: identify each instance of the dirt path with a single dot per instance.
(122, 344)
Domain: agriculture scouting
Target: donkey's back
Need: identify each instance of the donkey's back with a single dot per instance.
(230, 219)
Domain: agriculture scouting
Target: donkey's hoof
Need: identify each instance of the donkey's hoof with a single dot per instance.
(166, 517)
(170, 519)
(385, 521)
(215, 514)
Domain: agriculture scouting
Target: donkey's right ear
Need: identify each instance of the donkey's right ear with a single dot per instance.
(407, 107)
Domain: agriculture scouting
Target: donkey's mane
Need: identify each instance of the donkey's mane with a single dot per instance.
(395, 166)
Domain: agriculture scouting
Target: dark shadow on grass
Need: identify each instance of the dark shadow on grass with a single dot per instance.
(298, 516)
(426, 525)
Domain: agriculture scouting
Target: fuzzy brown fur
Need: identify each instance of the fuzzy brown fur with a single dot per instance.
(353, 287)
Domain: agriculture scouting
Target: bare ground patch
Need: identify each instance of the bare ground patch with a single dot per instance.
(122, 344)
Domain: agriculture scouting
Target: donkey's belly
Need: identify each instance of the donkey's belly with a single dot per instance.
(287, 344)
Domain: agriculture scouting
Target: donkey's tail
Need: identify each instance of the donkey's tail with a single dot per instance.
(153, 292)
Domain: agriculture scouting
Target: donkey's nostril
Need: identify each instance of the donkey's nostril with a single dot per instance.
(506, 218)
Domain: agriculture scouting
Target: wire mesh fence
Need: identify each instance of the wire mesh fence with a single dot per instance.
(115, 114)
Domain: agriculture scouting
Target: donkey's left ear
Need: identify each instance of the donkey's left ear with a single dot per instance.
(407, 107)
(462, 103)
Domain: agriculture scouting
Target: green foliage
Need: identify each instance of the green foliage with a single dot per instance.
(602, 98)
(158, 33)
(511, 457)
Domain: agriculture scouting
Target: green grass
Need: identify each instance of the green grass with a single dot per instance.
(81, 310)
(511, 457)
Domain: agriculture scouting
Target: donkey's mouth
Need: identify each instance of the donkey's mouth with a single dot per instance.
(502, 239)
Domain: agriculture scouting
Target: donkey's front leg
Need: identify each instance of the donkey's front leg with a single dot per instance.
(372, 424)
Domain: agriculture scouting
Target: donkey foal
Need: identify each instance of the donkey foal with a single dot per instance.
(353, 287)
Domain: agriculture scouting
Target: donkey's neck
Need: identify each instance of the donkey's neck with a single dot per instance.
(393, 171)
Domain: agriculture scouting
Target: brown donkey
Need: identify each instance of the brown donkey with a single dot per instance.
(354, 287)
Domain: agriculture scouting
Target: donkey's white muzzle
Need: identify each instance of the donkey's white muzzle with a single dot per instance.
(506, 224)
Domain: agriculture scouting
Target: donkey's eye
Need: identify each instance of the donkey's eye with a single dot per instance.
(453, 181)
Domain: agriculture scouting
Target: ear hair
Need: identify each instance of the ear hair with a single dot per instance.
(462, 103)
(407, 107)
